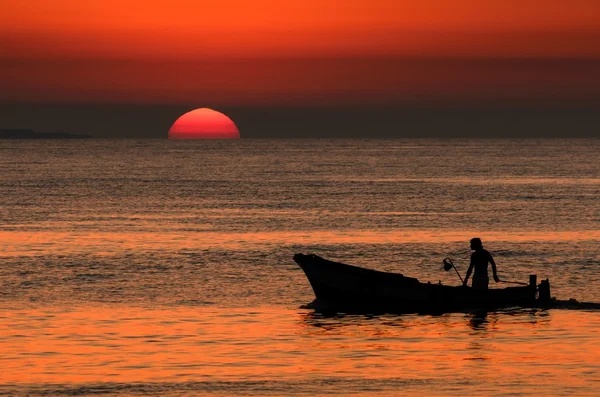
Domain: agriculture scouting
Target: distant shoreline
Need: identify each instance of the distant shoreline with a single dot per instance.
(31, 134)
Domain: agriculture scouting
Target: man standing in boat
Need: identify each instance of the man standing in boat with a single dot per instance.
(479, 261)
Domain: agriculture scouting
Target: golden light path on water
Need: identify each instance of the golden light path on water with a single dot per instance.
(30, 243)
(513, 351)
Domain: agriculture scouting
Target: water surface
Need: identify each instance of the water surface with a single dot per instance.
(158, 267)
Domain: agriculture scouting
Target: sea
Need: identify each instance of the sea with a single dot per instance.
(156, 267)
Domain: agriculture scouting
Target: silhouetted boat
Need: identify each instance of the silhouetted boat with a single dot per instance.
(352, 289)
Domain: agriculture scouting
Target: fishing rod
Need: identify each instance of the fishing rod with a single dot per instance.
(512, 282)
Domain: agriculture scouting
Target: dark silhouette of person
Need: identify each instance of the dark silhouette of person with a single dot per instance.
(479, 262)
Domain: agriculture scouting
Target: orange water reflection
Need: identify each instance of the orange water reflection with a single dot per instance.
(31, 243)
(125, 345)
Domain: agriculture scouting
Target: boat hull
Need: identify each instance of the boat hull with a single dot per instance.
(341, 287)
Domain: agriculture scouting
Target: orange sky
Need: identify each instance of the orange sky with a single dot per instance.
(193, 28)
(44, 43)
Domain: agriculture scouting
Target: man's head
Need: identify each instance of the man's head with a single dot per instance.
(476, 243)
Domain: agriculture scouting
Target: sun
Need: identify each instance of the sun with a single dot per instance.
(204, 123)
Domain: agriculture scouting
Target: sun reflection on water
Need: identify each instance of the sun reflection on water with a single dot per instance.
(132, 345)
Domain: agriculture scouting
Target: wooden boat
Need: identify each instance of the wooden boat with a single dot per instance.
(351, 289)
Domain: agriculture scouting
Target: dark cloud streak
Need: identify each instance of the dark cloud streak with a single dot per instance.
(153, 121)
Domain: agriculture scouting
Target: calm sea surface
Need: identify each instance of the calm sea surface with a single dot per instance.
(165, 268)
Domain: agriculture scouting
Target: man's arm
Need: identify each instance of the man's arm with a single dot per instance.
(496, 279)
(469, 270)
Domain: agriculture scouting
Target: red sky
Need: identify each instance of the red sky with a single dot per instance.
(316, 51)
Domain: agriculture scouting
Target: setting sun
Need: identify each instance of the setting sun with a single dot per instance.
(204, 123)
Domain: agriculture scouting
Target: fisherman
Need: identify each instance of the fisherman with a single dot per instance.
(479, 261)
